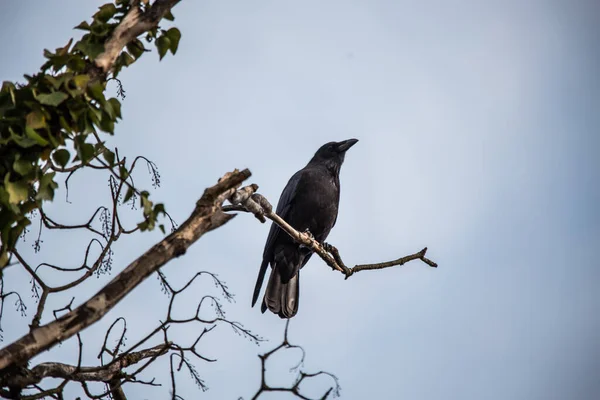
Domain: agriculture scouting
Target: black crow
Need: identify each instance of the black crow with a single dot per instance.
(309, 202)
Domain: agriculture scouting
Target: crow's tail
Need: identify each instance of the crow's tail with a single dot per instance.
(282, 298)
(259, 281)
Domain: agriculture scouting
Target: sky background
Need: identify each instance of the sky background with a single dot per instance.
(479, 130)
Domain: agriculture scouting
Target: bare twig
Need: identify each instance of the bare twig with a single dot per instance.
(295, 388)
(246, 200)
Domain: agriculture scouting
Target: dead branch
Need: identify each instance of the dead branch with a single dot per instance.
(106, 373)
(206, 216)
(246, 200)
(295, 388)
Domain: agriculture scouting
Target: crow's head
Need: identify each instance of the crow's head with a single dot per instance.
(332, 154)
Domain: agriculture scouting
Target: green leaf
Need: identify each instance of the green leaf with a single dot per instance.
(107, 124)
(92, 50)
(95, 115)
(100, 29)
(47, 186)
(123, 172)
(143, 226)
(128, 195)
(32, 134)
(10, 88)
(145, 203)
(84, 26)
(22, 167)
(35, 120)
(159, 209)
(22, 141)
(96, 91)
(52, 99)
(61, 157)
(7, 86)
(126, 59)
(3, 259)
(105, 12)
(169, 16)
(48, 54)
(86, 152)
(17, 191)
(58, 62)
(77, 84)
(76, 63)
(174, 36)
(57, 140)
(116, 107)
(61, 51)
(109, 156)
(163, 44)
(64, 124)
(81, 80)
(55, 81)
(136, 48)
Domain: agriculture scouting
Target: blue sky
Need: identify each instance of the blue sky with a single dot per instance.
(478, 125)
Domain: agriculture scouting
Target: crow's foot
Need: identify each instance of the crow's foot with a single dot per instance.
(327, 247)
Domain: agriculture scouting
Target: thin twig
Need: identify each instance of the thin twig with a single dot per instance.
(246, 200)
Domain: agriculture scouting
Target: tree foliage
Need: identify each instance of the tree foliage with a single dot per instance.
(55, 120)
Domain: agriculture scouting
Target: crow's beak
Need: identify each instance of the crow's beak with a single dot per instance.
(346, 144)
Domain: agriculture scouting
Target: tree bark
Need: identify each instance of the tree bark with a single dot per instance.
(133, 24)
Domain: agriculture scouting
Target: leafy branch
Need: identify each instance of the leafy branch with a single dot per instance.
(51, 123)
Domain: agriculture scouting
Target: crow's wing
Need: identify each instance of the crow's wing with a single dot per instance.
(283, 207)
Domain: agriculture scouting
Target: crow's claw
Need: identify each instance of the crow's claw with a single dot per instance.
(307, 232)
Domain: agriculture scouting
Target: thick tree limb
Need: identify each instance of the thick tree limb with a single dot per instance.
(133, 24)
(106, 373)
(246, 200)
(206, 216)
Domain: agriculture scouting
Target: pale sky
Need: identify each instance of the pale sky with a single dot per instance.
(478, 125)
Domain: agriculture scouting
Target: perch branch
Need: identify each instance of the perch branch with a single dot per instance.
(247, 200)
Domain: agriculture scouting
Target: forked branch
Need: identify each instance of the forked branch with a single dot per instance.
(104, 373)
(302, 376)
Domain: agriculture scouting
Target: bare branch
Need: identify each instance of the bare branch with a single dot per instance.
(246, 200)
(295, 388)
(206, 216)
(105, 373)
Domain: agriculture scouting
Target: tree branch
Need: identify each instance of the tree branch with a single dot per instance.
(107, 373)
(246, 200)
(295, 388)
(206, 216)
(133, 24)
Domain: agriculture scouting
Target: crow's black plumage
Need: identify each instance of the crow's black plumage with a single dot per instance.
(309, 201)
